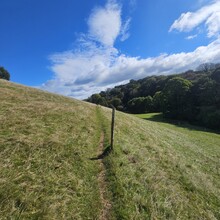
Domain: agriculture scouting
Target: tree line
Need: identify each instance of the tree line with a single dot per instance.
(193, 96)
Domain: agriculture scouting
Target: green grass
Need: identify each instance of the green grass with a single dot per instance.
(45, 145)
(165, 171)
(153, 116)
(158, 170)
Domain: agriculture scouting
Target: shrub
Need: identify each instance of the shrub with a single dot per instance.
(4, 74)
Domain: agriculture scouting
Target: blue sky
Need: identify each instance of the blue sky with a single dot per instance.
(77, 48)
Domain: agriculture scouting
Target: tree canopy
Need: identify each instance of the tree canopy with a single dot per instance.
(192, 96)
(176, 99)
(4, 74)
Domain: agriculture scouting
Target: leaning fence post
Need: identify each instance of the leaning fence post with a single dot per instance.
(112, 127)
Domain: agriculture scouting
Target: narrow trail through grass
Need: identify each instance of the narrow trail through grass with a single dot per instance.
(106, 204)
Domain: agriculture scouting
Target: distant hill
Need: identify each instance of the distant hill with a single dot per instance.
(193, 96)
(50, 166)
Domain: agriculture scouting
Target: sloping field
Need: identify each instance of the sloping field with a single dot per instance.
(45, 143)
(156, 171)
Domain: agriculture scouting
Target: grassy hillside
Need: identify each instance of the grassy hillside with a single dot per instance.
(157, 170)
(45, 143)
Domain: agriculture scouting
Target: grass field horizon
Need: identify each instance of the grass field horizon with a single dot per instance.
(157, 170)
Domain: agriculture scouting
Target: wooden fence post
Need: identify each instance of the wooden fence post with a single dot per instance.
(112, 127)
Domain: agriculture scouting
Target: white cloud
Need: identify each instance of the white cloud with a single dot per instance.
(97, 64)
(208, 15)
(105, 23)
(192, 37)
(213, 24)
(82, 74)
(125, 30)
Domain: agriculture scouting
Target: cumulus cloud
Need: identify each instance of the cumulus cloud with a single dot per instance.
(105, 23)
(208, 15)
(97, 65)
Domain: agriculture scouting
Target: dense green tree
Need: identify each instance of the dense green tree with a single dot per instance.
(209, 116)
(209, 93)
(4, 74)
(98, 99)
(148, 104)
(158, 101)
(116, 102)
(216, 75)
(135, 105)
(176, 98)
(148, 87)
(140, 104)
(130, 91)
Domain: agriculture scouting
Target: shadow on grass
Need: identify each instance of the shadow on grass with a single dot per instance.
(158, 117)
(104, 154)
